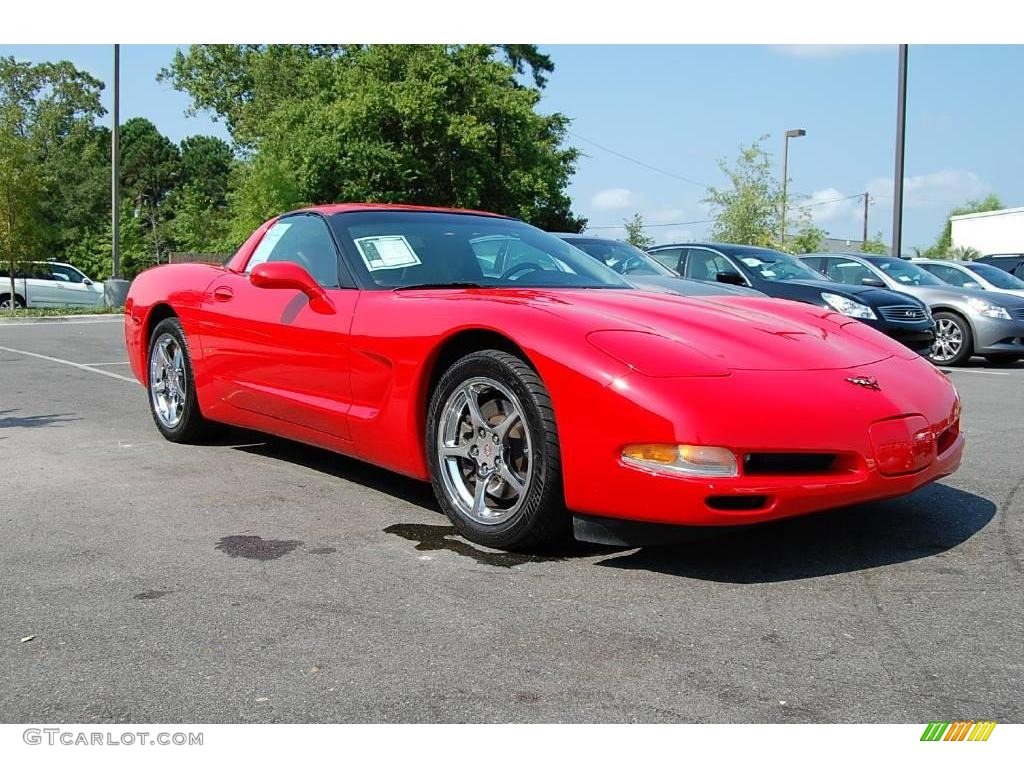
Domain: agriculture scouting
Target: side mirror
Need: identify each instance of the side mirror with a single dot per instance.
(86, 281)
(731, 278)
(972, 284)
(874, 282)
(288, 275)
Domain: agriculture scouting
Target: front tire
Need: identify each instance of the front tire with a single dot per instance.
(493, 453)
(954, 342)
(171, 385)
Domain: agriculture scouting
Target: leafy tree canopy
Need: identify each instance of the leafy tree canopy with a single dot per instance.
(945, 240)
(430, 124)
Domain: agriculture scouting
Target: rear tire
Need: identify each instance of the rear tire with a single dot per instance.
(171, 386)
(5, 301)
(493, 452)
(954, 342)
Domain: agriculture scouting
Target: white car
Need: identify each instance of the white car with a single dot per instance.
(50, 284)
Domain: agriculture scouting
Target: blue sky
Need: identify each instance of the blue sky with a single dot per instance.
(680, 108)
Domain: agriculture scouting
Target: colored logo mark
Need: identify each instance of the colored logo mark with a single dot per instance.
(959, 730)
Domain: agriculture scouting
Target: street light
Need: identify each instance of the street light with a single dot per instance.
(791, 134)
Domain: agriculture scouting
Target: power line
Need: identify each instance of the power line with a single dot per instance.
(651, 226)
(641, 163)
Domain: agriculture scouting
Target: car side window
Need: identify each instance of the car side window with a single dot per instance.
(304, 240)
(670, 257)
(702, 264)
(846, 271)
(65, 274)
(948, 274)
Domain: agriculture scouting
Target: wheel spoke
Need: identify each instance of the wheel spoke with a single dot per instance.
(476, 417)
(511, 480)
(506, 424)
(480, 496)
(456, 451)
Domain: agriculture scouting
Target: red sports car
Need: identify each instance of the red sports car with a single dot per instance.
(528, 383)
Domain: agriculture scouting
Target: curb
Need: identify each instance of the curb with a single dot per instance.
(56, 318)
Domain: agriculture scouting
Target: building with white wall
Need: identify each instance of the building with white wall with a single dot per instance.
(991, 231)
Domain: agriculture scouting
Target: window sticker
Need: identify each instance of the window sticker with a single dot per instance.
(386, 252)
(267, 244)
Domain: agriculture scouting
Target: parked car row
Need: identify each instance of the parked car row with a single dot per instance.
(948, 311)
(49, 284)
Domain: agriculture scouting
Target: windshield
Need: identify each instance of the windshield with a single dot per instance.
(905, 273)
(624, 258)
(774, 266)
(997, 277)
(404, 249)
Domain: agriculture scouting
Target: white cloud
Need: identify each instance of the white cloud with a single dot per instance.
(827, 51)
(614, 199)
(942, 188)
(829, 206)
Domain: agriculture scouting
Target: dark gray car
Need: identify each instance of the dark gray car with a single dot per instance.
(641, 271)
(967, 321)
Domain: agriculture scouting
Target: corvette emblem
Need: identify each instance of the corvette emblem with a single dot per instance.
(869, 382)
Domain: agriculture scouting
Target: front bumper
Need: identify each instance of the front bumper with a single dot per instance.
(763, 412)
(998, 336)
(917, 336)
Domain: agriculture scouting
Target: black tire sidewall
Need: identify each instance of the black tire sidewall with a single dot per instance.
(967, 348)
(542, 516)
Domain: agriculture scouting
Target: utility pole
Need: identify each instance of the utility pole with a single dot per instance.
(791, 134)
(115, 169)
(864, 246)
(115, 290)
(901, 131)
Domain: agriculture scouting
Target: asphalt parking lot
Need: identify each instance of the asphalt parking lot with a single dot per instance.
(257, 580)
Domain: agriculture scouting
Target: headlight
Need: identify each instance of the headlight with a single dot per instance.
(699, 460)
(848, 307)
(987, 308)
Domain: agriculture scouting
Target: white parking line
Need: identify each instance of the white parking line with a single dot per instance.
(73, 364)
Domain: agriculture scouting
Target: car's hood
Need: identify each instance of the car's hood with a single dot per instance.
(683, 286)
(737, 333)
(932, 294)
(811, 290)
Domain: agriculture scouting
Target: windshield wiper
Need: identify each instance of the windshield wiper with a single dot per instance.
(453, 284)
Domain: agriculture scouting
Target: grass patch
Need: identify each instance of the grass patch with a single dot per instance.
(60, 311)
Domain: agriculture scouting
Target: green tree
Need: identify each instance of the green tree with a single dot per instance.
(807, 240)
(52, 107)
(150, 167)
(430, 124)
(635, 234)
(22, 229)
(748, 210)
(963, 253)
(945, 240)
(875, 245)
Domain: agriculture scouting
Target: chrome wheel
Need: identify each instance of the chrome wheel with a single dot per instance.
(949, 340)
(167, 381)
(484, 451)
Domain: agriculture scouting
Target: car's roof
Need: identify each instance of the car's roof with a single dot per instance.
(332, 208)
(723, 247)
(957, 262)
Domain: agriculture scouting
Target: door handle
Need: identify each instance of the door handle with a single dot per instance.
(223, 293)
